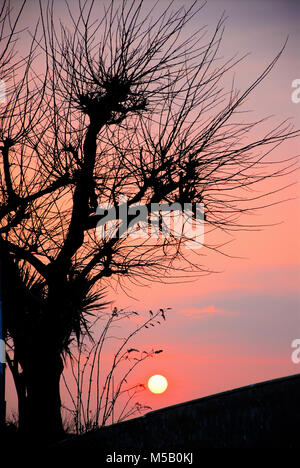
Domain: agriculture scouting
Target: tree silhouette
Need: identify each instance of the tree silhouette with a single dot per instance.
(131, 105)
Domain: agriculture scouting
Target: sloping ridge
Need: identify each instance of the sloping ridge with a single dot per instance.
(266, 414)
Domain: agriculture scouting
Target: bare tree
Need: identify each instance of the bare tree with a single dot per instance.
(125, 105)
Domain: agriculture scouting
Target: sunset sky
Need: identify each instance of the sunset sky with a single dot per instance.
(234, 327)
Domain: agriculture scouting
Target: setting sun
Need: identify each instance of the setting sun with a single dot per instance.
(157, 384)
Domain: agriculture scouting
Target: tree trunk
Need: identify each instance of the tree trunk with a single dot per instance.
(41, 415)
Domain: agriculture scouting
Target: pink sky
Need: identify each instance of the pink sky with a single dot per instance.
(235, 327)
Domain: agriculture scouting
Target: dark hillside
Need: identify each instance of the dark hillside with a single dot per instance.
(266, 414)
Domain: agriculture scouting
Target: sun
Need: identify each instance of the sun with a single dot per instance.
(157, 384)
